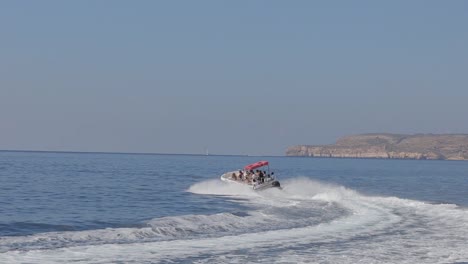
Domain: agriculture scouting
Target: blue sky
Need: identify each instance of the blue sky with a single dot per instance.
(236, 77)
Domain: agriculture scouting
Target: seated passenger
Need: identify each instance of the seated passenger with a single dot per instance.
(255, 178)
(248, 179)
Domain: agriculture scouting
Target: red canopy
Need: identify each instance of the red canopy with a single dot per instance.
(256, 165)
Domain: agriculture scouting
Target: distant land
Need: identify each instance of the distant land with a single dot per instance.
(390, 146)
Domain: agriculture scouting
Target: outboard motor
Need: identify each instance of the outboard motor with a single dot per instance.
(276, 184)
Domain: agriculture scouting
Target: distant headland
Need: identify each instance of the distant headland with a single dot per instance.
(390, 146)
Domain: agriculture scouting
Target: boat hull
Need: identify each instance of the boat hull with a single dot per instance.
(271, 183)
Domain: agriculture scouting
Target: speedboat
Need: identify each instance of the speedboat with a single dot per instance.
(257, 176)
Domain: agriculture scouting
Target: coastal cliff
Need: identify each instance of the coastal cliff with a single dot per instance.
(390, 146)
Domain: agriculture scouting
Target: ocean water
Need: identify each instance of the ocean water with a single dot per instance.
(130, 208)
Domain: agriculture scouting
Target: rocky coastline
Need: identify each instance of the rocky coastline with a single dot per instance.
(390, 146)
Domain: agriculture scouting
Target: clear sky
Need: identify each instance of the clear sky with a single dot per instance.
(236, 77)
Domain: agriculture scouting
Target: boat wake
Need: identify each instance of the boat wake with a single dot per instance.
(307, 221)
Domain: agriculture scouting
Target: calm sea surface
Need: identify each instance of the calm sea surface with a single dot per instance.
(132, 208)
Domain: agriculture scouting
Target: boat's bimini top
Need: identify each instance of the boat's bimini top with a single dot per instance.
(256, 165)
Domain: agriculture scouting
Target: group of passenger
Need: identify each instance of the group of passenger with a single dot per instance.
(252, 177)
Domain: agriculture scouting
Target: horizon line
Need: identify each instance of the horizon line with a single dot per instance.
(133, 153)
